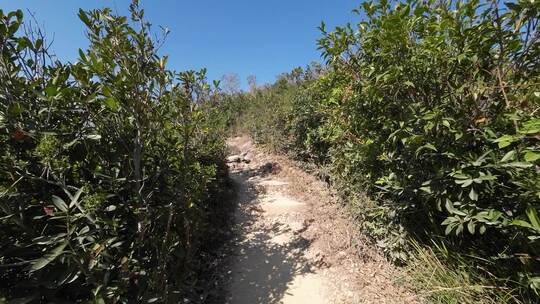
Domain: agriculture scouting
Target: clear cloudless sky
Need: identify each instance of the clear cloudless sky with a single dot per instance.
(248, 37)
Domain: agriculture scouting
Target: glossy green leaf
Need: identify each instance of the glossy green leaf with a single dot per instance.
(59, 203)
(48, 257)
(531, 156)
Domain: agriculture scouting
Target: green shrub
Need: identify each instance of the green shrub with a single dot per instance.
(110, 168)
(442, 113)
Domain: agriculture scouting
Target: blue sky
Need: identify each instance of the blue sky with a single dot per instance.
(247, 37)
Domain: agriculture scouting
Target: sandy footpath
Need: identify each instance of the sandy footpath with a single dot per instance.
(294, 244)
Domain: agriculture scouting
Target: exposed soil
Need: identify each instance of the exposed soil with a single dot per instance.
(294, 244)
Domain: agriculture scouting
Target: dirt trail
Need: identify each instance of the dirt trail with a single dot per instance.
(293, 244)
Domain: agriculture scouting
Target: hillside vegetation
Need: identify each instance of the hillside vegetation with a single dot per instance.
(111, 168)
(425, 118)
(430, 109)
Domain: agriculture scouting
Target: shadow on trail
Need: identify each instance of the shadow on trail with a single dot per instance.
(264, 266)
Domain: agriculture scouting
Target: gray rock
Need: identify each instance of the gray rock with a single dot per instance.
(234, 159)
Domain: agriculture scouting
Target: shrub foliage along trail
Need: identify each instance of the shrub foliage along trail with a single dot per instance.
(109, 168)
(433, 107)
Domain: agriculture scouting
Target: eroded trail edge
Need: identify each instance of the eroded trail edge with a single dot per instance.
(294, 244)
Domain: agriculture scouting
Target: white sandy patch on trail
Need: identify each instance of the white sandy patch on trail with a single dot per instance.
(294, 244)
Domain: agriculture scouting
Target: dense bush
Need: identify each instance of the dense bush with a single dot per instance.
(109, 167)
(432, 107)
